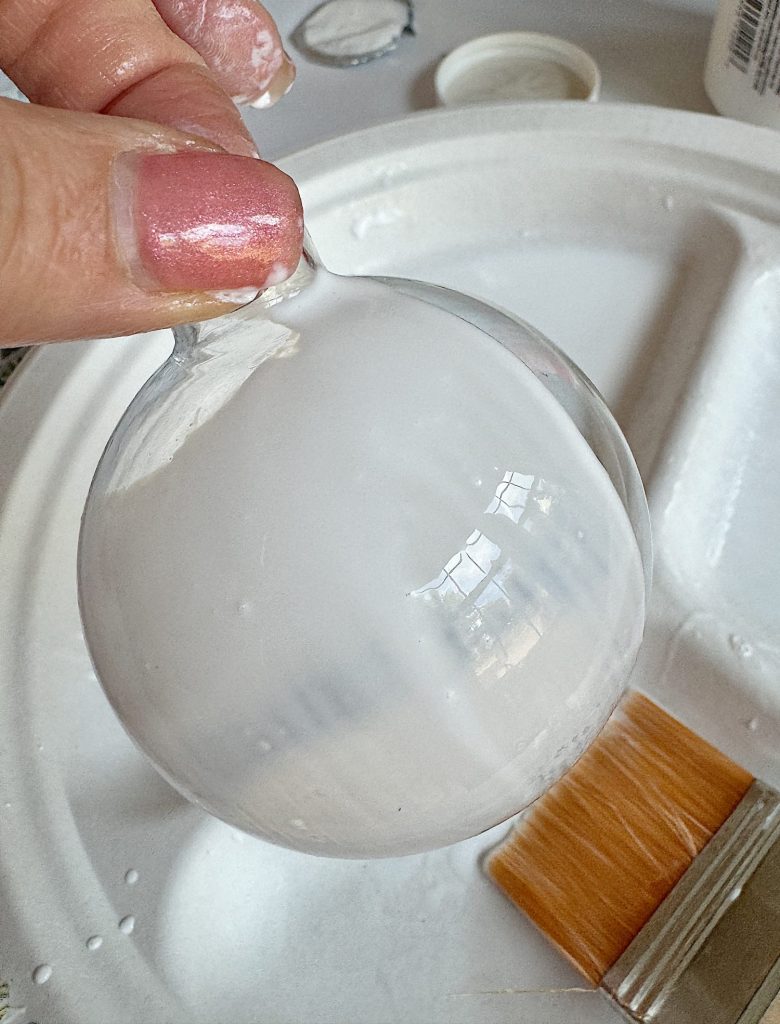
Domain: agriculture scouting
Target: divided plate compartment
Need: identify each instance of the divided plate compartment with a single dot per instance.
(646, 244)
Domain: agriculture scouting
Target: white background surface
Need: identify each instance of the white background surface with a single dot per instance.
(648, 53)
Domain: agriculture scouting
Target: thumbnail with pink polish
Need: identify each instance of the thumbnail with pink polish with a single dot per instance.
(207, 221)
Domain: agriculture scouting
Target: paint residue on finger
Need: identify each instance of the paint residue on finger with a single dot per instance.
(239, 42)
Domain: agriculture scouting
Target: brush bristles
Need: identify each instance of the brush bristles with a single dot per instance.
(593, 858)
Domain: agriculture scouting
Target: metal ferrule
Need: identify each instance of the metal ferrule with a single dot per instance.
(711, 952)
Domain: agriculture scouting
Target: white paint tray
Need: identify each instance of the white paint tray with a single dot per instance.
(644, 242)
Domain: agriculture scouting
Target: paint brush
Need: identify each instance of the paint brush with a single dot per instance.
(654, 866)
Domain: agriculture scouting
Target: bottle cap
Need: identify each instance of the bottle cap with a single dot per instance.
(517, 66)
(344, 33)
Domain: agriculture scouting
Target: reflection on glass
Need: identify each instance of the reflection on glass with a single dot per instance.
(511, 496)
(500, 614)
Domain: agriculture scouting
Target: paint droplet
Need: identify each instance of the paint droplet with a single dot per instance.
(94, 942)
(298, 823)
(41, 974)
(740, 646)
(752, 724)
(264, 745)
(580, 535)
(131, 876)
(383, 217)
(127, 924)
(668, 202)
(244, 608)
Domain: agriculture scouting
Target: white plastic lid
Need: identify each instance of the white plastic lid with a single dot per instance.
(517, 66)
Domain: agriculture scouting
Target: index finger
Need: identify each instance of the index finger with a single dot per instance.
(115, 56)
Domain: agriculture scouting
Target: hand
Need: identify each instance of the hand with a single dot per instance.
(132, 198)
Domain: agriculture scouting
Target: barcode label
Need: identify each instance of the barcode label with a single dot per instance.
(754, 46)
(743, 38)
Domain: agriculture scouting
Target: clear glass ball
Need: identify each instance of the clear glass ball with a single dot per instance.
(364, 566)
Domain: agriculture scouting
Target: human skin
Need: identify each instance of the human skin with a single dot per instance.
(132, 196)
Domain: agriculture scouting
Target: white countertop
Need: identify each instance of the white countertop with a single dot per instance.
(648, 52)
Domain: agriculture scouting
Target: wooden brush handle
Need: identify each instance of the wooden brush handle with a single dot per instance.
(772, 1015)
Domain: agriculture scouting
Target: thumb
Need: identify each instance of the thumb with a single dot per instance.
(112, 226)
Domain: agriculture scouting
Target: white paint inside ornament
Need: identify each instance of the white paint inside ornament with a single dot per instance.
(380, 597)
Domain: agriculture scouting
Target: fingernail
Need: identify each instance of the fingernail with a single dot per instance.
(279, 85)
(232, 138)
(236, 296)
(192, 221)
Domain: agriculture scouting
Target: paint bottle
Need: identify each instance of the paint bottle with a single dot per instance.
(742, 74)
